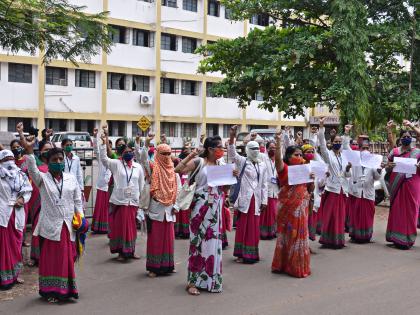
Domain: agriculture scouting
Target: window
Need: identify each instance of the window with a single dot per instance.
(84, 125)
(188, 130)
(209, 89)
(259, 19)
(189, 45)
(119, 34)
(20, 73)
(228, 14)
(143, 38)
(13, 121)
(169, 3)
(56, 76)
(170, 129)
(226, 130)
(117, 81)
(212, 130)
(169, 86)
(57, 124)
(189, 87)
(168, 42)
(213, 8)
(258, 96)
(141, 83)
(117, 128)
(189, 5)
(85, 78)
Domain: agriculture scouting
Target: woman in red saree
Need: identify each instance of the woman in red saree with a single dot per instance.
(292, 254)
(405, 197)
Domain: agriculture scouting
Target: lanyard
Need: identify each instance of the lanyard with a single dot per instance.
(126, 173)
(258, 171)
(340, 162)
(272, 164)
(60, 190)
(69, 165)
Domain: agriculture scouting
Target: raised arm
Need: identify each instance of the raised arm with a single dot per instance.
(346, 137)
(413, 127)
(108, 163)
(236, 158)
(322, 142)
(390, 135)
(28, 145)
(278, 157)
(188, 164)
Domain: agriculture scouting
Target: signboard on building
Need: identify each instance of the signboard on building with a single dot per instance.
(330, 120)
(144, 123)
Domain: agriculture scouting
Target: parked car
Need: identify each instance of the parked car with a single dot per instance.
(266, 134)
(82, 144)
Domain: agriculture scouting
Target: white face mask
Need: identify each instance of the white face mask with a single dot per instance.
(8, 165)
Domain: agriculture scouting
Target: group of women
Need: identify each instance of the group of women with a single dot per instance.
(135, 180)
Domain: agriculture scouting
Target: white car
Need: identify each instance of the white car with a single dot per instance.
(82, 144)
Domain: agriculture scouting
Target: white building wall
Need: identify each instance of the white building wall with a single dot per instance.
(92, 6)
(180, 105)
(253, 112)
(71, 98)
(179, 62)
(133, 10)
(219, 26)
(127, 55)
(183, 19)
(18, 96)
(218, 107)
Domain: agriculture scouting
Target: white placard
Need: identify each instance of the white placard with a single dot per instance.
(370, 160)
(221, 175)
(405, 165)
(299, 174)
(319, 168)
(351, 156)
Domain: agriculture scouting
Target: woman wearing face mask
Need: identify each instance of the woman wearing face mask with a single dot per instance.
(61, 200)
(15, 191)
(268, 217)
(18, 153)
(405, 195)
(72, 163)
(100, 218)
(205, 254)
(292, 254)
(34, 203)
(336, 190)
(253, 197)
(128, 183)
(164, 187)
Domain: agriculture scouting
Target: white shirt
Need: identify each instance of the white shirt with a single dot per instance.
(72, 166)
(55, 210)
(273, 189)
(10, 190)
(362, 182)
(254, 182)
(104, 174)
(338, 179)
(128, 181)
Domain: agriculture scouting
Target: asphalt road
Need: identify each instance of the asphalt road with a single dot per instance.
(360, 279)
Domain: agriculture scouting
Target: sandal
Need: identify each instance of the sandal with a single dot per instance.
(52, 300)
(192, 290)
(151, 275)
(31, 263)
(20, 281)
(121, 258)
(135, 257)
(239, 260)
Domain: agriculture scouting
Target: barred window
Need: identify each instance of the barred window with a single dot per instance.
(141, 83)
(119, 34)
(20, 73)
(168, 42)
(213, 8)
(143, 38)
(117, 81)
(259, 19)
(169, 86)
(189, 45)
(212, 130)
(209, 89)
(169, 3)
(170, 129)
(189, 5)
(85, 78)
(56, 76)
(188, 130)
(189, 87)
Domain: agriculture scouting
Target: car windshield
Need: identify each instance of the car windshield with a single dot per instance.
(78, 137)
(241, 136)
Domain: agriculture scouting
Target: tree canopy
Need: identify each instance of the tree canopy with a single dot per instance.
(57, 28)
(338, 53)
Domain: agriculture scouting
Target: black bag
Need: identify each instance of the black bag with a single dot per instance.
(234, 190)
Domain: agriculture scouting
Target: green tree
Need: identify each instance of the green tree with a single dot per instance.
(59, 29)
(336, 53)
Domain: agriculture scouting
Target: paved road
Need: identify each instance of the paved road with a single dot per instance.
(360, 279)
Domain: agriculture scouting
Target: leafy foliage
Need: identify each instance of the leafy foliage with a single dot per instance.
(336, 53)
(57, 28)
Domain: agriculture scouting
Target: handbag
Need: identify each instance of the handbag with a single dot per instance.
(187, 191)
(234, 190)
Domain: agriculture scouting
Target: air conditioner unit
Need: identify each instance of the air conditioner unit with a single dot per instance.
(146, 100)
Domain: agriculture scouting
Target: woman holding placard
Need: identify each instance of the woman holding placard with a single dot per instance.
(292, 254)
(336, 190)
(405, 193)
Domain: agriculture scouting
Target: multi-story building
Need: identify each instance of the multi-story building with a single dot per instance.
(151, 71)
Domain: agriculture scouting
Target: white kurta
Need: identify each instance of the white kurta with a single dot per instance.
(72, 166)
(55, 209)
(273, 188)
(104, 174)
(254, 182)
(10, 190)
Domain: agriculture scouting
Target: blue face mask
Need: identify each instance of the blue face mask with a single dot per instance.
(336, 146)
(128, 156)
(406, 141)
